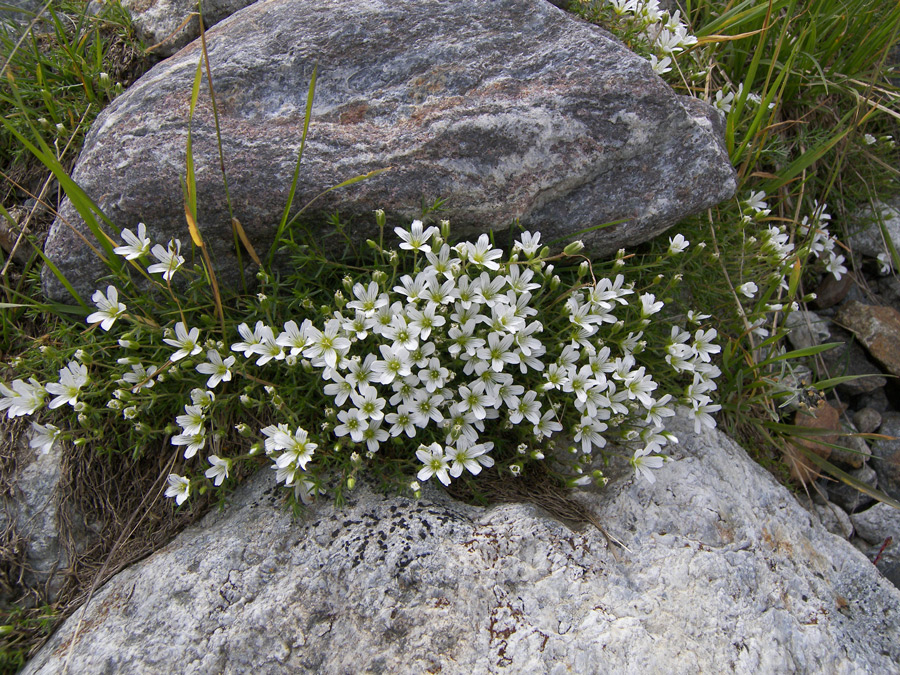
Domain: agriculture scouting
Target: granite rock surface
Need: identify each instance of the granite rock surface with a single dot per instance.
(509, 109)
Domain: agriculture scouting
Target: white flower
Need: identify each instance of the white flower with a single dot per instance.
(368, 298)
(71, 379)
(756, 201)
(470, 458)
(884, 264)
(748, 289)
(701, 408)
(370, 405)
(44, 437)
(350, 423)
(643, 464)
(696, 317)
(649, 305)
(547, 425)
(435, 461)
(253, 338)
(723, 101)
(298, 449)
(660, 67)
(139, 376)
(401, 422)
(137, 246)
(528, 243)
(109, 306)
(836, 266)
(219, 469)
(185, 341)
(869, 139)
(194, 442)
(179, 487)
(169, 259)
(482, 254)
(374, 435)
(416, 239)
(327, 345)
(191, 422)
(703, 344)
(24, 398)
(678, 244)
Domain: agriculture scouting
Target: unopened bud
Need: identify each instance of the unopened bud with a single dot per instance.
(445, 229)
(380, 218)
(574, 247)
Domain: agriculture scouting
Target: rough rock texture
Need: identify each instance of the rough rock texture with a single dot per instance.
(163, 21)
(724, 571)
(868, 239)
(874, 526)
(886, 455)
(807, 329)
(834, 519)
(878, 328)
(508, 108)
(29, 515)
(849, 498)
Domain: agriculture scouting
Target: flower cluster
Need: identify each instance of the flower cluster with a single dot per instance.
(659, 30)
(461, 347)
(469, 345)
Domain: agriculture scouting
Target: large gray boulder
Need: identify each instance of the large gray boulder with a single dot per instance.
(510, 109)
(724, 571)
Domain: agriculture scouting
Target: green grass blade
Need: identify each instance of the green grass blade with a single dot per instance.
(282, 225)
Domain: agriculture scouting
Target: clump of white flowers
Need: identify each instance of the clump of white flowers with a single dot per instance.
(470, 345)
(450, 351)
(657, 30)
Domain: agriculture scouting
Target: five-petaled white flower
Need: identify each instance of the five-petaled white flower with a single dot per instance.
(185, 340)
(678, 244)
(71, 379)
(137, 246)
(169, 259)
(435, 461)
(218, 472)
(44, 437)
(644, 463)
(24, 398)
(109, 308)
(415, 239)
(179, 487)
(748, 289)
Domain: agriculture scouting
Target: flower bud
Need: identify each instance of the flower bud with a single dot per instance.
(574, 247)
(445, 229)
(380, 218)
(554, 282)
(104, 79)
(351, 483)
(379, 277)
(243, 429)
(583, 268)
